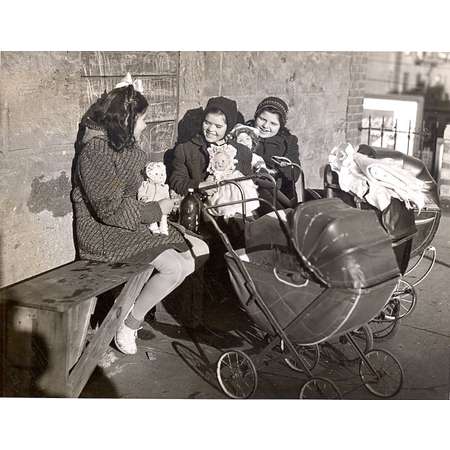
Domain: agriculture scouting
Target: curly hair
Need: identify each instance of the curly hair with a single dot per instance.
(116, 113)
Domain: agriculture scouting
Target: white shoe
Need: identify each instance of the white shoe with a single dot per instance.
(125, 340)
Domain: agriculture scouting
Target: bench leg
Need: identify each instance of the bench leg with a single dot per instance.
(97, 346)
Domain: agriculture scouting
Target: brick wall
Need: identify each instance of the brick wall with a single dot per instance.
(358, 67)
(43, 95)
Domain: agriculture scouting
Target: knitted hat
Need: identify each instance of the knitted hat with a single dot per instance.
(227, 106)
(276, 104)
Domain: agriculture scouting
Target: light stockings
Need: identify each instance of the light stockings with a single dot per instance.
(173, 267)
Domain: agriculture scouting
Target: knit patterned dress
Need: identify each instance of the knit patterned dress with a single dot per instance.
(110, 223)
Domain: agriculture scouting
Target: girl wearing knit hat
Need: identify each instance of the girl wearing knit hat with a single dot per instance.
(276, 140)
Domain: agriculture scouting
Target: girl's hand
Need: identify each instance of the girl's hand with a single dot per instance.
(210, 191)
(167, 205)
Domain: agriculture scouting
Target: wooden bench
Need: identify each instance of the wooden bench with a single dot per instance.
(44, 345)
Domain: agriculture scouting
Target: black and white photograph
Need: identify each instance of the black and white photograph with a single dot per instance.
(224, 224)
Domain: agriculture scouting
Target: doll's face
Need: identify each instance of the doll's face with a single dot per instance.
(156, 172)
(221, 162)
(245, 139)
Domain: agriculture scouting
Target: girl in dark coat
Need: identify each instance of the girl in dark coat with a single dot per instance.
(110, 223)
(276, 140)
(191, 159)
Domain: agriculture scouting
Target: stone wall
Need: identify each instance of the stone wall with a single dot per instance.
(39, 95)
(43, 95)
(324, 92)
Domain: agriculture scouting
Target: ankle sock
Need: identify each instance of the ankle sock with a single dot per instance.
(132, 323)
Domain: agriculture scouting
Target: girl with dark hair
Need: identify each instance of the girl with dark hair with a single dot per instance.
(276, 140)
(110, 223)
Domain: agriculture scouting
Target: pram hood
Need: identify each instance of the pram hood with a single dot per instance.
(344, 246)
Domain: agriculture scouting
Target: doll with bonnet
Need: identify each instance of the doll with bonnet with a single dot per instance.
(154, 189)
(248, 136)
(222, 166)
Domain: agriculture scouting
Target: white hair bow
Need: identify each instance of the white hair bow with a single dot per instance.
(127, 80)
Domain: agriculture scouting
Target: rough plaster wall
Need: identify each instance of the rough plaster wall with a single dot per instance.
(42, 97)
(316, 86)
(39, 111)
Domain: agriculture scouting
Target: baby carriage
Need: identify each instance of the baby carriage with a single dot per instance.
(411, 232)
(327, 270)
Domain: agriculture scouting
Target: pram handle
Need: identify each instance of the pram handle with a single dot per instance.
(283, 162)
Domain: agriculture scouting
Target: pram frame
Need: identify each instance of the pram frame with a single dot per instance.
(255, 296)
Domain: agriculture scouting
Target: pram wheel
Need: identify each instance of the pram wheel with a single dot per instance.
(388, 377)
(406, 296)
(319, 388)
(236, 374)
(310, 355)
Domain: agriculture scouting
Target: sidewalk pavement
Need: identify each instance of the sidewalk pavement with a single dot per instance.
(178, 363)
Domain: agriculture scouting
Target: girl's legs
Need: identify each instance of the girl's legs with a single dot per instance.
(173, 267)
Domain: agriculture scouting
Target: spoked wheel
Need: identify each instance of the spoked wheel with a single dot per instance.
(363, 338)
(386, 323)
(319, 388)
(406, 296)
(309, 354)
(388, 377)
(236, 374)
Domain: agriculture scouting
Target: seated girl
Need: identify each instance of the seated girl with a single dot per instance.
(276, 140)
(191, 159)
(111, 225)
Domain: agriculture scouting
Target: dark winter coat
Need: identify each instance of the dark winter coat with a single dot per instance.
(282, 144)
(110, 223)
(191, 160)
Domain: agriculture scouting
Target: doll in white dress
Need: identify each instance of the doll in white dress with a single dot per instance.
(222, 166)
(154, 189)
